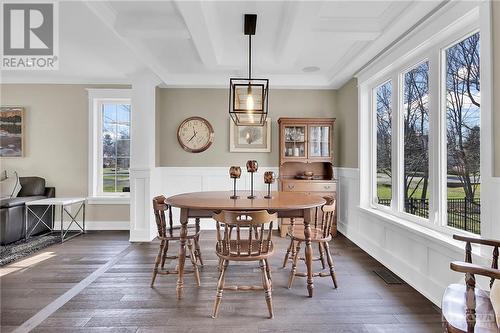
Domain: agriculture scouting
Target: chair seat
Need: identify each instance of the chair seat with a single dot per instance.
(243, 256)
(316, 234)
(176, 233)
(454, 310)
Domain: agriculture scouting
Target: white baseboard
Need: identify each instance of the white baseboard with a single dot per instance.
(97, 225)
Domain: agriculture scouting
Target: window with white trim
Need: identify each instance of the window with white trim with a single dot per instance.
(463, 130)
(383, 106)
(425, 114)
(415, 113)
(109, 153)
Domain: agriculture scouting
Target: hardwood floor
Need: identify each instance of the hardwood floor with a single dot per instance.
(99, 282)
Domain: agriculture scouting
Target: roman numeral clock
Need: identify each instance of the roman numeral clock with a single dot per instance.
(195, 134)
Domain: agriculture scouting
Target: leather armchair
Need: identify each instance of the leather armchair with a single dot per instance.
(12, 210)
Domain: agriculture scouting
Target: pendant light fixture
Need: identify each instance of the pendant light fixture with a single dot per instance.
(248, 97)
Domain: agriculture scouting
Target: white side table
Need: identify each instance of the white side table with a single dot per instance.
(52, 203)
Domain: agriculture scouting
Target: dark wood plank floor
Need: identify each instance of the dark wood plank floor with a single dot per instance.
(120, 299)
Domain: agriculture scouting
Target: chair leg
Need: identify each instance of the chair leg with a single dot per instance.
(220, 288)
(294, 265)
(330, 264)
(268, 272)
(321, 254)
(219, 265)
(164, 257)
(197, 251)
(157, 263)
(193, 262)
(267, 288)
(287, 255)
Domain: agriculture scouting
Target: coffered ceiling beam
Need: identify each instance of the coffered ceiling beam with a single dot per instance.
(108, 16)
(297, 19)
(197, 17)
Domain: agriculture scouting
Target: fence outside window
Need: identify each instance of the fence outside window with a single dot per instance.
(464, 214)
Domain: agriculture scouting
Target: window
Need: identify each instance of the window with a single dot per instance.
(383, 104)
(115, 146)
(416, 140)
(109, 153)
(463, 134)
(421, 112)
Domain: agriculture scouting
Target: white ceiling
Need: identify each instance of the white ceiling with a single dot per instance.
(201, 43)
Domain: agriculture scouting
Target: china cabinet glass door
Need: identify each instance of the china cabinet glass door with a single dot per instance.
(295, 141)
(319, 141)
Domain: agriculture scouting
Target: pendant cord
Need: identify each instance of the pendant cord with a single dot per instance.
(249, 57)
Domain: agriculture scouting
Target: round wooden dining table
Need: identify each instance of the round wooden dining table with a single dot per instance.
(204, 204)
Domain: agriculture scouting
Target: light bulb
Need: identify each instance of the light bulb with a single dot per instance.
(250, 103)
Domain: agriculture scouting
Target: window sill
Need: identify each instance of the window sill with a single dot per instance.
(108, 200)
(444, 237)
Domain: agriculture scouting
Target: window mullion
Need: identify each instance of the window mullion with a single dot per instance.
(397, 145)
(436, 138)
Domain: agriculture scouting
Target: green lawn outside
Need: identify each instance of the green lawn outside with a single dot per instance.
(384, 192)
(122, 180)
(455, 219)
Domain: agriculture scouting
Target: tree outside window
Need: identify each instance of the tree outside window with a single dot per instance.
(416, 140)
(463, 98)
(384, 143)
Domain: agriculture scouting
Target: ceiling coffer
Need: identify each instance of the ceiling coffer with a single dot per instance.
(248, 97)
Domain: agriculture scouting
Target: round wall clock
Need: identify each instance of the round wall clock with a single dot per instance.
(195, 134)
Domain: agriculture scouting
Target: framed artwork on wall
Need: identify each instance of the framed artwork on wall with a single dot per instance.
(11, 131)
(250, 139)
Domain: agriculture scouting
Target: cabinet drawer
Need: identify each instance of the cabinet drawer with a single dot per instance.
(309, 187)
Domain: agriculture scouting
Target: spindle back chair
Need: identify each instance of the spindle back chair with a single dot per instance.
(468, 308)
(167, 232)
(320, 233)
(238, 241)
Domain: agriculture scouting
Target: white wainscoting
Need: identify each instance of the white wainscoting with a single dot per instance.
(177, 180)
(419, 258)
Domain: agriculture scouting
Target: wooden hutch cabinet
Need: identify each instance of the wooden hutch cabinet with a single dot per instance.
(306, 159)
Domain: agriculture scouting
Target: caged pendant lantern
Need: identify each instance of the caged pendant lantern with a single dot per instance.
(248, 97)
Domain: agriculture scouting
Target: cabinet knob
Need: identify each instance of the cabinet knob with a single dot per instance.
(327, 187)
(290, 186)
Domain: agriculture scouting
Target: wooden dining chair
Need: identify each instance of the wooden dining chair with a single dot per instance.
(320, 234)
(168, 232)
(237, 241)
(468, 308)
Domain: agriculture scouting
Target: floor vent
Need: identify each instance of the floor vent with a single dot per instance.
(388, 276)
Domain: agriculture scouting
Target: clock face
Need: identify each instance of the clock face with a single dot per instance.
(195, 134)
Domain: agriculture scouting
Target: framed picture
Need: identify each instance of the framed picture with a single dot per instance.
(11, 131)
(250, 139)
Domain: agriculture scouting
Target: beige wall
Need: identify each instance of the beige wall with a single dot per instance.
(496, 85)
(56, 146)
(347, 124)
(212, 104)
